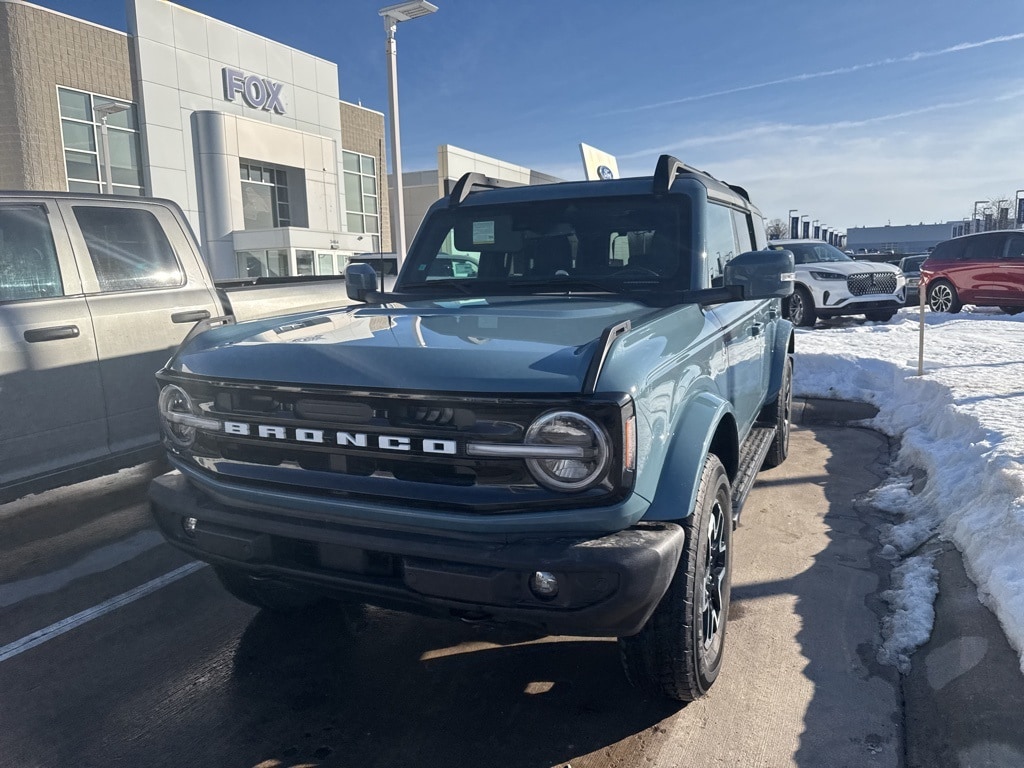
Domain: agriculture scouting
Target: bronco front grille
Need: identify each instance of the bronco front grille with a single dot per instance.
(392, 447)
(872, 282)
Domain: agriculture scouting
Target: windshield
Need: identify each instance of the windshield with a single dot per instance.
(811, 253)
(582, 245)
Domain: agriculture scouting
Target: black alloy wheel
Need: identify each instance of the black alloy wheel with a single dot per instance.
(778, 413)
(678, 654)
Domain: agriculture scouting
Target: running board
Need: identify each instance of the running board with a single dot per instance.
(752, 454)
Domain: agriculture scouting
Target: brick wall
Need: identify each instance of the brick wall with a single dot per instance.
(40, 50)
(362, 130)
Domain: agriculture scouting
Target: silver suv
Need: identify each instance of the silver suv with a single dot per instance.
(831, 283)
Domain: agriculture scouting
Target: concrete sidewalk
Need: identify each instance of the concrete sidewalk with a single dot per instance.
(964, 694)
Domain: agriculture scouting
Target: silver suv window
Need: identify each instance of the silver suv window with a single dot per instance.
(28, 259)
(128, 249)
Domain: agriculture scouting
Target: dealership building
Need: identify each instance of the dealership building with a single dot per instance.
(275, 173)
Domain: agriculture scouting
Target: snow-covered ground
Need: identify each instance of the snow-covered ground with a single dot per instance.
(962, 422)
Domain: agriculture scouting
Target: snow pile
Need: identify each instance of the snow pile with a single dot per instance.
(909, 623)
(962, 422)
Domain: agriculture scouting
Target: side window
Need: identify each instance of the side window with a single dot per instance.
(744, 231)
(952, 250)
(1015, 248)
(28, 259)
(983, 249)
(719, 241)
(128, 248)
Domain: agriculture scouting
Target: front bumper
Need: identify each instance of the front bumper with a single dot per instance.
(857, 305)
(608, 584)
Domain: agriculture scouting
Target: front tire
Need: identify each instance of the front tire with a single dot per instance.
(800, 308)
(942, 298)
(1011, 310)
(678, 653)
(264, 593)
(780, 411)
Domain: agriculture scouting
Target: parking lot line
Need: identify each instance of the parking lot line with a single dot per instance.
(65, 625)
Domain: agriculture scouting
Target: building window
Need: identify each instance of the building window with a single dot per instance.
(262, 263)
(265, 200)
(362, 211)
(81, 124)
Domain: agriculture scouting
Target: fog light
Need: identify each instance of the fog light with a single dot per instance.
(189, 524)
(544, 585)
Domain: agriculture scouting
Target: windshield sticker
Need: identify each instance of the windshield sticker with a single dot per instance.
(483, 233)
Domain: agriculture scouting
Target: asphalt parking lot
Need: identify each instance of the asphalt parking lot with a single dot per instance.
(144, 660)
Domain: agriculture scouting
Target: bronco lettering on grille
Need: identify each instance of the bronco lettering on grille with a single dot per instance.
(340, 439)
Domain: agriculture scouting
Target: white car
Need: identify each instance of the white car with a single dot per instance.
(830, 283)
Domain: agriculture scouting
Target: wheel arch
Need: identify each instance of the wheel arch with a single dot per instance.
(710, 417)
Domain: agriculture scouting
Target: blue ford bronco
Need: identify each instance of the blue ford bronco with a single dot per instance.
(552, 420)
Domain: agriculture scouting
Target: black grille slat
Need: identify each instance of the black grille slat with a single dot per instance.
(872, 282)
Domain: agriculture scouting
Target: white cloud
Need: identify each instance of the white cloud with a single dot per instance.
(919, 165)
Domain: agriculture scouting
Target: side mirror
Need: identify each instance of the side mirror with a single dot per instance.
(360, 279)
(762, 274)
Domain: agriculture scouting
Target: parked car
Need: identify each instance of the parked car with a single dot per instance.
(911, 268)
(96, 291)
(561, 438)
(829, 283)
(985, 269)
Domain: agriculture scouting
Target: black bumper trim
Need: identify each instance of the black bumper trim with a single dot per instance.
(609, 584)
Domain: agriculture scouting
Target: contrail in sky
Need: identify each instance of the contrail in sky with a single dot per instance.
(916, 56)
(770, 129)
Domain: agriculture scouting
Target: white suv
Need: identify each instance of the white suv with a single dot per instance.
(830, 283)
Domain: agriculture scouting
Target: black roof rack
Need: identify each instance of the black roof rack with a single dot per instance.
(473, 182)
(669, 167)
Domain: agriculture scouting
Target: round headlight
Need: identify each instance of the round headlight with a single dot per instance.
(174, 404)
(580, 451)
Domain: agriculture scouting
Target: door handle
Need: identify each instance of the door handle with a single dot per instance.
(190, 316)
(55, 333)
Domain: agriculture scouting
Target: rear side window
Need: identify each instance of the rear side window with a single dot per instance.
(28, 259)
(128, 249)
(744, 230)
(720, 241)
(983, 248)
(1015, 248)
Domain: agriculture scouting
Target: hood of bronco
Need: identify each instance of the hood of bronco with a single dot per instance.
(534, 344)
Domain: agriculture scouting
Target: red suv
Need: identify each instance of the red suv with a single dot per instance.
(985, 269)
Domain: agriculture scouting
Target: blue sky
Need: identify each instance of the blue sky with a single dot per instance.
(856, 114)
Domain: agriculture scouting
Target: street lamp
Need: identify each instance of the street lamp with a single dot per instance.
(104, 111)
(392, 15)
(974, 220)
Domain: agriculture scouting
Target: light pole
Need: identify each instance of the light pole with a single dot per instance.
(104, 111)
(392, 15)
(974, 220)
